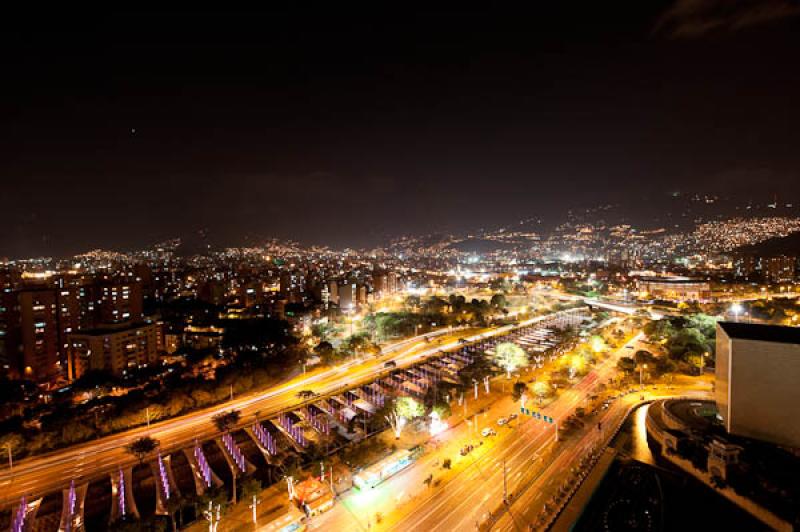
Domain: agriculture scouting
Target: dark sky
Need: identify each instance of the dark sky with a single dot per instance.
(120, 129)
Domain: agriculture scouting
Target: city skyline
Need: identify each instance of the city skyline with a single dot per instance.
(133, 127)
(474, 270)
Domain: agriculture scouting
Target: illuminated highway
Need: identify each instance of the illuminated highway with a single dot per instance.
(43, 474)
(466, 499)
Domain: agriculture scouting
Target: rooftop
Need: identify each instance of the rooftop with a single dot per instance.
(113, 328)
(674, 279)
(761, 332)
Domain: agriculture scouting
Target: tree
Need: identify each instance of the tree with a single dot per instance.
(325, 331)
(10, 442)
(225, 421)
(359, 343)
(442, 409)
(626, 365)
(659, 330)
(499, 301)
(519, 389)
(643, 357)
(707, 325)
(687, 340)
(510, 356)
(324, 350)
(141, 447)
(477, 370)
(250, 486)
(405, 409)
(665, 365)
(542, 389)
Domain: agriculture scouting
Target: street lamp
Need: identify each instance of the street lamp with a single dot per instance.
(736, 310)
(10, 459)
(642, 367)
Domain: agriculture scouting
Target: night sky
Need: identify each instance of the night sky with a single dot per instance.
(121, 129)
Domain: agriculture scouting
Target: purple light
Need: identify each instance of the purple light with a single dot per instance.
(265, 438)
(162, 472)
(205, 470)
(234, 452)
(19, 519)
(121, 493)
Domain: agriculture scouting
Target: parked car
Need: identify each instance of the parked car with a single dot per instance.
(502, 421)
(390, 364)
(512, 417)
(488, 431)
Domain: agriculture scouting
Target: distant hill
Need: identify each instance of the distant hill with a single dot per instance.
(786, 245)
(481, 245)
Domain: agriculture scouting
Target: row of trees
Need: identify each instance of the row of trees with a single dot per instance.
(685, 338)
(167, 394)
(355, 345)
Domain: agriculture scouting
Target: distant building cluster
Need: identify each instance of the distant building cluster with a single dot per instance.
(61, 319)
(41, 314)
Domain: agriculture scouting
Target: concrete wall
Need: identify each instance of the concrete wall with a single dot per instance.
(762, 388)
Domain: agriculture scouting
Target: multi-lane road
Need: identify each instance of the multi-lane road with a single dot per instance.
(467, 498)
(43, 474)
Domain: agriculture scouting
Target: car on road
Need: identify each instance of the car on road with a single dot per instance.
(502, 421)
(512, 417)
(488, 431)
(391, 364)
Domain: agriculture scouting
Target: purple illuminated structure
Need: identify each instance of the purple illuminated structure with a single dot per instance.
(295, 432)
(72, 500)
(318, 420)
(122, 508)
(234, 451)
(205, 469)
(162, 474)
(18, 525)
(265, 438)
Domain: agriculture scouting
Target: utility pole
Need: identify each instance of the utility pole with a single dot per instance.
(254, 506)
(505, 487)
(10, 459)
(231, 392)
(212, 516)
(234, 484)
(147, 416)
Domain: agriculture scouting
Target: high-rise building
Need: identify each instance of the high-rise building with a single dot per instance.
(361, 294)
(779, 269)
(8, 324)
(333, 291)
(293, 285)
(212, 291)
(745, 266)
(120, 300)
(113, 348)
(756, 381)
(75, 296)
(38, 334)
(384, 283)
(347, 296)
